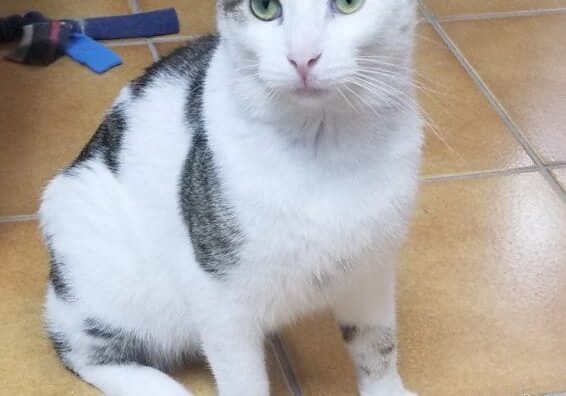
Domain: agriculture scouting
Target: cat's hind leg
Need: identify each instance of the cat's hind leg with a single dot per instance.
(114, 317)
(116, 362)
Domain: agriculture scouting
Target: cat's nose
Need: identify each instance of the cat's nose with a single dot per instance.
(303, 64)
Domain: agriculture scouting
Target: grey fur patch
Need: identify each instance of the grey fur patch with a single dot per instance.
(386, 345)
(212, 224)
(213, 227)
(231, 6)
(325, 279)
(106, 142)
(116, 346)
(181, 64)
(61, 346)
(233, 9)
(372, 349)
(97, 329)
(349, 332)
(366, 370)
(57, 277)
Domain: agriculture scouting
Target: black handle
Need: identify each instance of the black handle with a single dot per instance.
(11, 28)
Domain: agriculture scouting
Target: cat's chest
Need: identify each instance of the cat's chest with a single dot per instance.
(320, 218)
(309, 208)
(307, 239)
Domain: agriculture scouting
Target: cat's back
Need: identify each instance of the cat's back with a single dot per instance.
(129, 172)
(183, 65)
(150, 111)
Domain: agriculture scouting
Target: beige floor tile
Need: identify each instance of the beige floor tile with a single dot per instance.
(459, 7)
(27, 361)
(66, 8)
(522, 61)
(483, 289)
(198, 378)
(52, 112)
(475, 137)
(195, 17)
(421, 18)
(320, 358)
(482, 297)
(560, 175)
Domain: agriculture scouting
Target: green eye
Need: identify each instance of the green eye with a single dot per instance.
(348, 6)
(266, 10)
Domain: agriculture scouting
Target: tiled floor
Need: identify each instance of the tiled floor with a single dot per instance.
(482, 285)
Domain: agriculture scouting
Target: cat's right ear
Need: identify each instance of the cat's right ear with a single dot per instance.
(231, 8)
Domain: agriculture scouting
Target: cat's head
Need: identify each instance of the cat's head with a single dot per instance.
(309, 50)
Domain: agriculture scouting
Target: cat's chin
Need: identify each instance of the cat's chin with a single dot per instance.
(310, 96)
(310, 92)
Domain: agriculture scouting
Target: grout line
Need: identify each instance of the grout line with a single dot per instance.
(18, 218)
(478, 175)
(125, 43)
(506, 118)
(425, 179)
(144, 41)
(134, 6)
(153, 50)
(500, 15)
(285, 365)
(172, 39)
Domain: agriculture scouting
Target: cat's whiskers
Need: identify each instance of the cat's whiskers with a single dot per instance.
(427, 90)
(379, 89)
(364, 106)
(399, 77)
(246, 67)
(271, 93)
(423, 83)
(409, 105)
(357, 110)
(434, 95)
(399, 73)
(392, 95)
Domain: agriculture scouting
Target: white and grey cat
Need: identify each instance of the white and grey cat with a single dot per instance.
(246, 180)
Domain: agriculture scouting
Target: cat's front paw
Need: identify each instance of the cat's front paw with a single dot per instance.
(376, 392)
(386, 387)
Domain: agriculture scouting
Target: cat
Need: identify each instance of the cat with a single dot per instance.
(248, 179)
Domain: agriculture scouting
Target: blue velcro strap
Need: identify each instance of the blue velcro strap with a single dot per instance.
(145, 24)
(90, 53)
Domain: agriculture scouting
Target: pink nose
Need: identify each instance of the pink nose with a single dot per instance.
(303, 64)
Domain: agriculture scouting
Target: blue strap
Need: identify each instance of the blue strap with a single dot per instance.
(145, 24)
(90, 53)
(50, 38)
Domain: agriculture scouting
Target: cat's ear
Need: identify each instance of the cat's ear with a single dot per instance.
(230, 8)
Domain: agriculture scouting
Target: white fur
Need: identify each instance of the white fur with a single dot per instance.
(315, 185)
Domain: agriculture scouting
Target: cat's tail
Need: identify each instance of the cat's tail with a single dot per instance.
(131, 380)
(109, 361)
